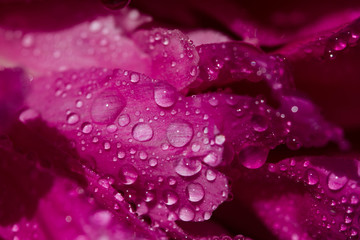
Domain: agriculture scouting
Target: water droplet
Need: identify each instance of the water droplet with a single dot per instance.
(311, 177)
(187, 167)
(212, 159)
(153, 162)
(253, 157)
(121, 154)
(179, 133)
(27, 40)
(107, 106)
(142, 132)
(207, 215)
(335, 182)
(213, 101)
(72, 118)
(28, 115)
(259, 123)
(107, 145)
(170, 197)
(293, 143)
(195, 147)
(115, 4)
(195, 192)
(111, 128)
(124, 120)
(210, 175)
(79, 103)
(134, 77)
(186, 214)
(165, 95)
(128, 174)
(143, 155)
(220, 139)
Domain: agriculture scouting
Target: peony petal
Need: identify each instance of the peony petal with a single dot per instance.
(138, 132)
(330, 78)
(304, 197)
(95, 41)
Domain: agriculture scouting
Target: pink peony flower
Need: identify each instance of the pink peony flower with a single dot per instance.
(179, 120)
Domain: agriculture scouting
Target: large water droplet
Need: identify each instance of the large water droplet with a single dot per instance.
(86, 127)
(187, 167)
(142, 132)
(164, 95)
(336, 182)
(170, 197)
(179, 133)
(195, 192)
(115, 4)
(186, 214)
(72, 118)
(311, 177)
(28, 115)
(128, 174)
(107, 106)
(253, 157)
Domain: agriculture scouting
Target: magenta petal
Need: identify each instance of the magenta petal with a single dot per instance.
(174, 57)
(97, 42)
(305, 197)
(151, 142)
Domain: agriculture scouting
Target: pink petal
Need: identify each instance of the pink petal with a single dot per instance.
(29, 40)
(305, 197)
(143, 135)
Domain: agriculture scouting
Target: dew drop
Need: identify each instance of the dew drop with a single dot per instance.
(27, 40)
(311, 177)
(153, 162)
(212, 159)
(259, 123)
(72, 118)
(179, 134)
(187, 167)
(128, 174)
(134, 77)
(335, 182)
(195, 192)
(124, 120)
(165, 95)
(210, 175)
(253, 157)
(220, 139)
(86, 127)
(142, 132)
(186, 214)
(170, 197)
(107, 106)
(121, 154)
(28, 115)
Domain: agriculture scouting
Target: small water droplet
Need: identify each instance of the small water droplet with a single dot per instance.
(253, 157)
(165, 95)
(186, 214)
(111, 128)
(124, 120)
(179, 133)
(259, 123)
(153, 162)
(336, 182)
(72, 118)
(142, 132)
(107, 145)
(28, 40)
(213, 101)
(79, 103)
(311, 177)
(195, 147)
(212, 159)
(143, 155)
(170, 197)
(187, 167)
(210, 175)
(134, 77)
(121, 154)
(107, 106)
(220, 139)
(128, 174)
(195, 192)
